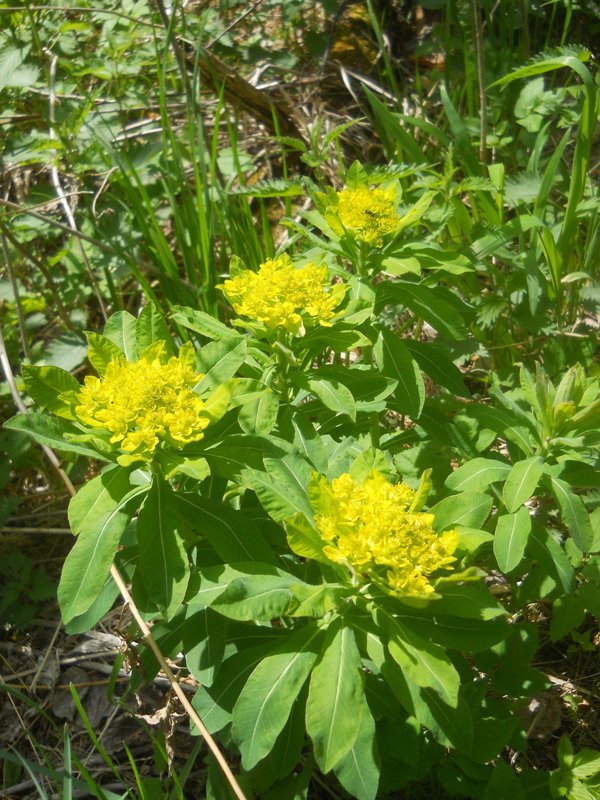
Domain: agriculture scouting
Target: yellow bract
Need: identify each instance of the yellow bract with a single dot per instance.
(142, 403)
(368, 214)
(370, 525)
(279, 294)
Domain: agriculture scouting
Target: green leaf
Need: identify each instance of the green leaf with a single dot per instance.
(256, 597)
(99, 514)
(304, 539)
(336, 701)
(163, 561)
(334, 395)
(259, 415)
(265, 702)
(121, 331)
(101, 352)
(477, 475)
(203, 643)
(395, 361)
(46, 384)
(522, 482)
(220, 361)
(316, 601)
(423, 662)
(215, 702)
(432, 359)
(510, 540)
(151, 328)
(202, 323)
(426, 302)
(282, 489)
(358, 771)
(14, 72)
(469, 509)
(452, 727)
(232, 535)
(51, 432)
(574, 514)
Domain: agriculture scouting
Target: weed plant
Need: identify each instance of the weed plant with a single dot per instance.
(344, 470)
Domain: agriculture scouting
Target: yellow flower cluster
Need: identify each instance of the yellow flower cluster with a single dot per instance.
(142, 403)
(370, 525)
(279, 294)
(368, 214)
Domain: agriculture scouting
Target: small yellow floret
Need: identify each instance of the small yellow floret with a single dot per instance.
(368, 214)
(142, 403)
(279, 294)
(370, 525)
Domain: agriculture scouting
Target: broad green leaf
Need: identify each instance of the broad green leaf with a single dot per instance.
(219, 361)
(46, 384)
(51, 432)
(423, 662)
(469, 509)
(358, 771)
(265, 702)
(470, 635)
(98, 514)
(14, 72)
(395, 361)
(335, 702)
(450, 726)
(202, 323)
(229, 456)
(256, 597)
(477, 475)
(232, 535)
(308, 442)
(151, 328)
(121, 330)
(203, 643)
(426, 302)
(281, 490)
(432, 359)
(552, 559)
(215, 702)
(101, 352)
(258, 416)
(333, 395)
(163, 561)
(316, 601)
(522, 482)
(303, 539)
(503, 424)
(214, 580)
(574, 514)
(510, 540)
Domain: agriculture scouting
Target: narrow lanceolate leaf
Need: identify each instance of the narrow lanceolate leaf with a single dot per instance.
(336, 697)
(477, 474)
(510, 541)
(266, 700)
(150, 328)
(101, 351)
(574, 514)
(521, 482)
(395, 361)
(121, 330)
(52, 432)
(469, 509)
(334, 395)
(99, 514)
(46, 384)
(163, 562)
(358, 771)
(423, 662)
